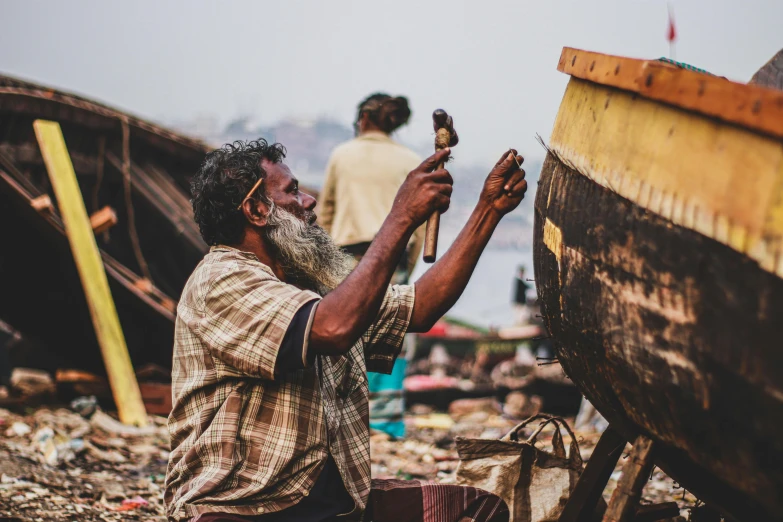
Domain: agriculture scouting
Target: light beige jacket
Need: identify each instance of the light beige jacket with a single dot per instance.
(362, 179)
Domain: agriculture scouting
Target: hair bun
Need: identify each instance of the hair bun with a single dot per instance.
(387, 112)
(393, 114)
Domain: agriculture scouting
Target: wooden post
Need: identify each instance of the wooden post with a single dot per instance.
(103, 219)
(42, 203)
(636, 472)
(586, 495)
(655, 512)
(92, 273)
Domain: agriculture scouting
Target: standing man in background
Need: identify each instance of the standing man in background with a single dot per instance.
(362, 179)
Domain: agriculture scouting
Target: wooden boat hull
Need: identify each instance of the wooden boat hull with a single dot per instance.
(42, 296)
(657, 258)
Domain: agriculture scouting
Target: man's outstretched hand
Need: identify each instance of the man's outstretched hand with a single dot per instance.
(505, 186)
(425, 190)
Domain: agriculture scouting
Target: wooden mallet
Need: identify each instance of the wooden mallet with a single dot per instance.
(445, 136)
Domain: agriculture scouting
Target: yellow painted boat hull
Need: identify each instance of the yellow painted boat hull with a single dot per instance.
(659, 263)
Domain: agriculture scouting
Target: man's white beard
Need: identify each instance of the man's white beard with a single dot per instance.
(307, 254)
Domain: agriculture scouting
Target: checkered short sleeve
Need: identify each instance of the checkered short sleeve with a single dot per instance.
(383, 340)
(246, 316)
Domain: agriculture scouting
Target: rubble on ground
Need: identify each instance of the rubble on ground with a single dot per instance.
(58, 464)
(428, 451)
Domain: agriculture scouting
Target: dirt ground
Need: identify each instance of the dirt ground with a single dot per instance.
(59, 465)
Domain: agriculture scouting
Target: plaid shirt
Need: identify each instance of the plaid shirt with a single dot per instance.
(243, 439)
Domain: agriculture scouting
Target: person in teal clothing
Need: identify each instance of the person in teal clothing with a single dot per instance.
(387, 399)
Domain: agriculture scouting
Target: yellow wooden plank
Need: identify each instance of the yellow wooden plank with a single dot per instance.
(553, 239)
(92, 273)
(724, 181)
(751, 106)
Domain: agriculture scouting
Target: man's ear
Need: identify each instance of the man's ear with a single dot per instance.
(256, 212)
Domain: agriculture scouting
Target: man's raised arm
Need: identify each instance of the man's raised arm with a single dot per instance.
(440, 287)
(347, 312)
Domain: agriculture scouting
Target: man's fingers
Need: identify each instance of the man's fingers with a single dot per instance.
(445, 189)
(429, 164)
(520, 188)
(505, 157)
(515, 178)
(442, 203)
(517, 191)
(508, 165)
(441, 176)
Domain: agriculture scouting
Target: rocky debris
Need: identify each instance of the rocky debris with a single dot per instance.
(30, 382)
(515, 373)
(441, 379)
(521, 406)
(56, 464)
(462, 407)
(588, 418)
(428, 452)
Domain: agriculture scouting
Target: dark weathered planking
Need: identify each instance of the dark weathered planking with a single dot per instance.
(42, 295)
(585, 497)
(636, 472)
(718, 428)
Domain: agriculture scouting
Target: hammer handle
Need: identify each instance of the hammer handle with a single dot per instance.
(431, 238)
(431, 235)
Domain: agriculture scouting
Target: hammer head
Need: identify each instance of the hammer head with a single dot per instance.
(442, 120)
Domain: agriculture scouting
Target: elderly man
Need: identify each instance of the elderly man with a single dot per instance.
(275, 334)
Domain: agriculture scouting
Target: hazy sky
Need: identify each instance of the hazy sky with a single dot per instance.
(492, 64)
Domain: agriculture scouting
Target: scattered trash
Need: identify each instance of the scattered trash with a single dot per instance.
(463, 407)
(133, 503)
(521, 406)
(85, 406)
(112, 425)
(589, 419)
(30, 382)
(66, 467)
(437, 421)
(18, 429)
(429, 382)
(44, 438)
(57, 465)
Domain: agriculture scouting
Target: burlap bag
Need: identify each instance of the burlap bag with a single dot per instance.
(534, 483)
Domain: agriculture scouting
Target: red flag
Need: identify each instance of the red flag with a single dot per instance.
(672, 34)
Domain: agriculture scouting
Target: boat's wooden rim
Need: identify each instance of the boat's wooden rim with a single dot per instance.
(18, 95)
(750, 106)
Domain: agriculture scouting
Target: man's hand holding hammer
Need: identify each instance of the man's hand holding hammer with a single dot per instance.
(427, 189)
(440, 287)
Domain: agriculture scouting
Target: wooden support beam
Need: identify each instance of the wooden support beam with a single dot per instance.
(103, 219)
(92, 273)
(655, 512)
(636, 472)
(28, 154)
(42, 203)
(586, 495)
(705, 514)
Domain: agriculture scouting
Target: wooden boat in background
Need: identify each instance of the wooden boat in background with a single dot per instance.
(149, 252)
(659, 264)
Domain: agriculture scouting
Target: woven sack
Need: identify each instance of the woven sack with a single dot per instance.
(534, 483)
